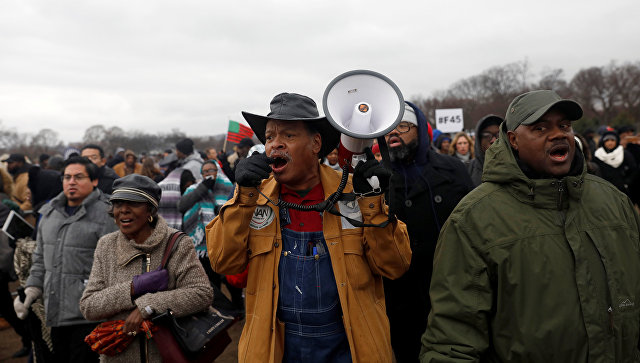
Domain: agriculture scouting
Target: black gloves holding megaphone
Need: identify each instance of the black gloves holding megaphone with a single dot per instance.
(370, 177)
(251, 170)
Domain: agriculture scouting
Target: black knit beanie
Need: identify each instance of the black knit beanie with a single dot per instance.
(185, 146)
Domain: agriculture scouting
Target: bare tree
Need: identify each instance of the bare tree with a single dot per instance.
(46, 138)
(625, 81)
(482, 94)
(592, 89)
(10, 139)
(553, 79)
(95, 134)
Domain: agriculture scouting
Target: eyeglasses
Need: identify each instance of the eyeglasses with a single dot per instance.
(93, 157)
(404, 127)
(212, 170)
(489, 136)
(77, 177)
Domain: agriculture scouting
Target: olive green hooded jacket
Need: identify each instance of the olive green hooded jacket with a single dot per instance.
(536, 270)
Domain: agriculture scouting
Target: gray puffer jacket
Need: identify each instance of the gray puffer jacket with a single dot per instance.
(64, 254)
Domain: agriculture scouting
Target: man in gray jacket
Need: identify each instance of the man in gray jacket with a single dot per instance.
(68, 232)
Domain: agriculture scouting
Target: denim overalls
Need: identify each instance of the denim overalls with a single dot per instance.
(308, 303)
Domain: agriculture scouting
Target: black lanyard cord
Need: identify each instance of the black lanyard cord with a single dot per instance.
(329, 204)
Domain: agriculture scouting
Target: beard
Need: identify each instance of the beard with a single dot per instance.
(405, 152)
(13, 170)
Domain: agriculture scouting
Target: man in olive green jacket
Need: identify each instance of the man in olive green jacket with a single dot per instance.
(540, 263)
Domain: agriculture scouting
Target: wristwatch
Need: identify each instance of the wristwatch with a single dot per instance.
(149, 310)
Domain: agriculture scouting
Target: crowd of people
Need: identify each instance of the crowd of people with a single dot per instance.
(518, 241)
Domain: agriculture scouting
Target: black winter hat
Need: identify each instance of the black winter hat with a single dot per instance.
(626, 128)
(185, 146)
(246, 142)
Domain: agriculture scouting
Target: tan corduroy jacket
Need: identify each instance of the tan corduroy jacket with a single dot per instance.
(247, 230)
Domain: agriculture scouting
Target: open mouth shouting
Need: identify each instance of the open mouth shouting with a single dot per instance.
(280, 161)
(559, 153)
(395, 141)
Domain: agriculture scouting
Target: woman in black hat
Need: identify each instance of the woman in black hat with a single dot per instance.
(126, 282)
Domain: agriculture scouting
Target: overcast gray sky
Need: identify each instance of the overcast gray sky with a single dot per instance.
(158, 65)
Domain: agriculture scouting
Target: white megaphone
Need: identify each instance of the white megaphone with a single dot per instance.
(362, 105)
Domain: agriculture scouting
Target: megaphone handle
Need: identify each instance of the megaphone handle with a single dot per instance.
(384, 151)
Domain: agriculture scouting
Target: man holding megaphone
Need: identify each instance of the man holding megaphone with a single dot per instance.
(314, 290)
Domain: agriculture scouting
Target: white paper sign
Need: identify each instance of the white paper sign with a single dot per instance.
(449, 120)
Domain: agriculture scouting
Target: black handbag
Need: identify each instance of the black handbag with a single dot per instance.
(199, 337)
(194, 332)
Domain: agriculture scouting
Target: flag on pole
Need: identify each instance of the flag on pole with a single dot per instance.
(237, 132)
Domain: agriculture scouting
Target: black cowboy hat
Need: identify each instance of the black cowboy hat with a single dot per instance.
(295, 107)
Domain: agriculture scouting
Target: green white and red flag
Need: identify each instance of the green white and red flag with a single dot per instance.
(238, 131)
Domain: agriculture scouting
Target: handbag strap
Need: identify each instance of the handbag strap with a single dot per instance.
(171, 246)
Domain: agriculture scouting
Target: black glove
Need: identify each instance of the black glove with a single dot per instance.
(250, 171)
(368, 169)
(209, 182)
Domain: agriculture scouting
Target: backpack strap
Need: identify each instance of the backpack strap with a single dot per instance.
(171, 246)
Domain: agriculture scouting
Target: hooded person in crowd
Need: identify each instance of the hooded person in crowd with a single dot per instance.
(130, 165)
(314, 286)
(617, 165)
(425, 188)
(487, 132)
(540, 262)
(188, 158)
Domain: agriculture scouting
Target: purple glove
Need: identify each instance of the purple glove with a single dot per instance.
(149, 282)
